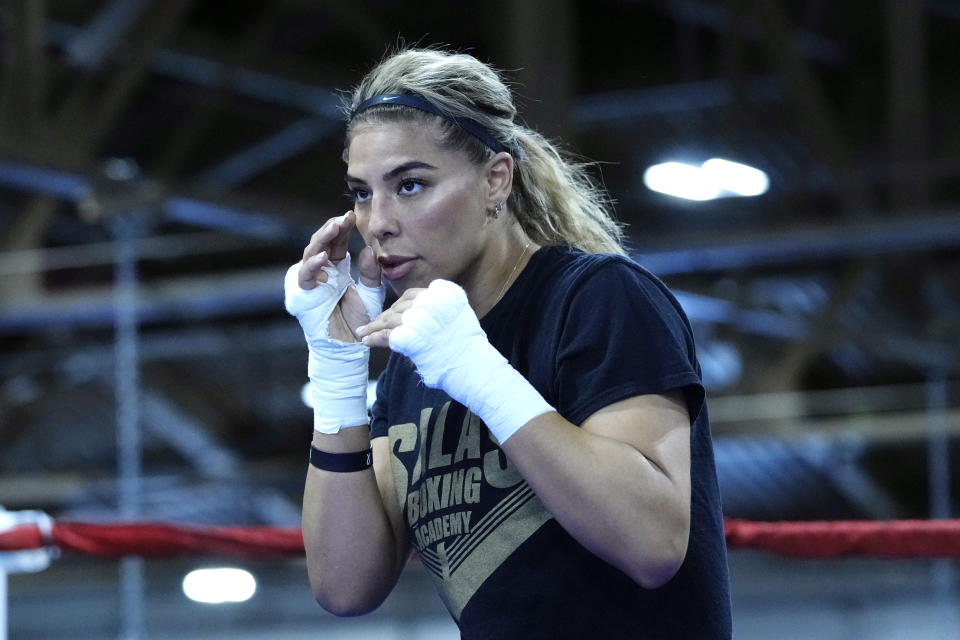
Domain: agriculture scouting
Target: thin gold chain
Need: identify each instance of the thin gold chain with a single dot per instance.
(503, 289)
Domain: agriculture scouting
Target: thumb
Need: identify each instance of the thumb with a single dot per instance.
(367, 268)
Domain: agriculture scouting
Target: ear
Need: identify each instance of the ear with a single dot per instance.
(500, 177)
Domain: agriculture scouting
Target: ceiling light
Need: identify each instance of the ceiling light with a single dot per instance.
(216, 586)
(680, 180)
(715, 178)
(736, 178)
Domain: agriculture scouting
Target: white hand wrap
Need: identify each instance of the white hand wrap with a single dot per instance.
(441, 335)
(338, 370)
(314, 307)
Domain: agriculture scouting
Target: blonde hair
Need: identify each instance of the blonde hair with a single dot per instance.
(555, 199)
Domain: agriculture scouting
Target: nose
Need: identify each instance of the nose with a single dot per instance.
(381, 220)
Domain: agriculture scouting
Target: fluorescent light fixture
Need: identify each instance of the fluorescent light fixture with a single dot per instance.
(680, 180)
(219, 585)
(736, 178)
(715, 178)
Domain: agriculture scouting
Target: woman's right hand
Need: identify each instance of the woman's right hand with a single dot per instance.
(328, 248)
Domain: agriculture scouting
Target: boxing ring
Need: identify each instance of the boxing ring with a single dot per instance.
(31, 540)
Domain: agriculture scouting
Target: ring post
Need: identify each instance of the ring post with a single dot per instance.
(22, 561)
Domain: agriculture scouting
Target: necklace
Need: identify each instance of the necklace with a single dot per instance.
(503, 289)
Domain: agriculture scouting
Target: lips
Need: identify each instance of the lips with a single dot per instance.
(395, 267)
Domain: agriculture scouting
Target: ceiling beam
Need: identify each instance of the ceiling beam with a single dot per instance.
(85, 359)
(104, 33)
(922, 230)
(266, 154)
(880, 428)
(98, 254)
(81, 191)
(250, 45)
(187, 298)
(910, 231)
(90, 113)
(585, 110)
(205, 72)
(615, 106)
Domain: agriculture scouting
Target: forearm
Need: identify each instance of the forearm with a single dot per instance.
(352, 547)
(612, 499)
(353, 556)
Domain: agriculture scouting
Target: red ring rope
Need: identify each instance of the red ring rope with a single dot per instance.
(890, 539)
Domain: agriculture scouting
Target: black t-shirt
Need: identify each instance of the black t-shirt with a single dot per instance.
(586, 330)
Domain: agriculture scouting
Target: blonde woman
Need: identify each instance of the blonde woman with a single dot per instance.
(540, 436)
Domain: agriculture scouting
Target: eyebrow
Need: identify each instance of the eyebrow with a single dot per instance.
(393, 173)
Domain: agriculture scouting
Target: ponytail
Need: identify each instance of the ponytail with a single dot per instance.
(556, 200)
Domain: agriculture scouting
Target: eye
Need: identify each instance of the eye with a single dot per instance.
(359, 195)
(409, 187)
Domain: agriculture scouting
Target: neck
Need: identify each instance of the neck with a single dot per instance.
(504, 262)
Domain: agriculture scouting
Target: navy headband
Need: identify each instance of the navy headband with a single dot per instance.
(414, 101)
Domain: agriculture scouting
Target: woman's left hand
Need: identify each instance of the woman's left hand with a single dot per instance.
(438, 330)
(377, 333)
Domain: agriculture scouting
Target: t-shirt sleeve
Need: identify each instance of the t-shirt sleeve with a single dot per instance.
(623, 335)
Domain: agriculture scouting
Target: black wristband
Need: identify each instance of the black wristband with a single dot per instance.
(341, 462)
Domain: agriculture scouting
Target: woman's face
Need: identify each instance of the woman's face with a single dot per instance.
(420, 208)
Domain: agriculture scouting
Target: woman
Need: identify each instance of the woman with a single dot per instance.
(540, 435)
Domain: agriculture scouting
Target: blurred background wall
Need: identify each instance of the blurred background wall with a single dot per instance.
(163, 161)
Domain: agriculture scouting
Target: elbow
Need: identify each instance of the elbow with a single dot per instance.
(657, 568)
(343, 604)
(346, 599)
(654, 573)
(344, 609)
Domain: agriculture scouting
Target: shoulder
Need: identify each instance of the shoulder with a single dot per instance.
(610, 298)
(615, 331)
(570, 265)
(573, 265)
(606, 279)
